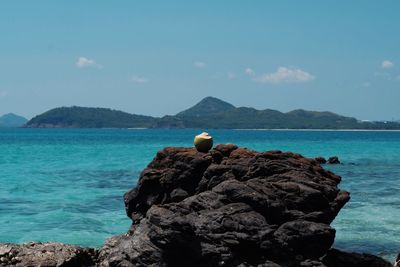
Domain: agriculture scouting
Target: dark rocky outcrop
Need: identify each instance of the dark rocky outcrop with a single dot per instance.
(334, 160)
(337, 258)
(320, 160)
(46, 254)
(229, 207)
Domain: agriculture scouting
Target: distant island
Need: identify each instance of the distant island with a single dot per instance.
(12, 120)
(210, 113)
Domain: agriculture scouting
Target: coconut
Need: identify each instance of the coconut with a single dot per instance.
(203, 142)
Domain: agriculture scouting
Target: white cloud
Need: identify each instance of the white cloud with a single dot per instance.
(84, 62)
(199, 64)
(138, 79)
(249, 72)
(285, 75)
(386, 64)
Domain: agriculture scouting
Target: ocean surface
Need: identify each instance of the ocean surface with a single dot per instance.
(66, 185)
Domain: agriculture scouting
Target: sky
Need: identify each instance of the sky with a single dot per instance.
(161, 57)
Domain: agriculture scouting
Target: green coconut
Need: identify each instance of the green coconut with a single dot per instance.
(203, 142)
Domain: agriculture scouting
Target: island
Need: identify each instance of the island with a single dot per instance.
(12, 120)
(210, 112)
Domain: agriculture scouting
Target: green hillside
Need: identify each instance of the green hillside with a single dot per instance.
(82, 117)
(206, 107)
(208, 113)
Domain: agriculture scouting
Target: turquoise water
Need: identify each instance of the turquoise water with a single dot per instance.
(66, 185)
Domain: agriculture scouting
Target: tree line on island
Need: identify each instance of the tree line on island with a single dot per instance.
(208, 113)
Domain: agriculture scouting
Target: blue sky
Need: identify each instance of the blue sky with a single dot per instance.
(160, 57)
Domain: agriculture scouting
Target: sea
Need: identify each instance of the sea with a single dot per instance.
(67, 185)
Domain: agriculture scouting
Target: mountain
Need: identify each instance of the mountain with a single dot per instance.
(210, 112)
(12, 120)
(206, 107)
(82, 117)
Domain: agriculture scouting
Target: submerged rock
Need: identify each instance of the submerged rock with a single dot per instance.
(334, 160)
(229, 207)
(46, 254)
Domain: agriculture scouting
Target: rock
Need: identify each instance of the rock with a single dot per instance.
(46, 254)
(320, 160)
(228, 207)
(334, 160)
(397, 261)
(312, 263)
(337, 258)
(266, 264)
(226, 150)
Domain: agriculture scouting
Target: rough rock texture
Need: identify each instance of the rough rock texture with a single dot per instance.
(46, 254)
(337, 258)
(228, 207)
(334, 160)
(397, 261)
(320, 160)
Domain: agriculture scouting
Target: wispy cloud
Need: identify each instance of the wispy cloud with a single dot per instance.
(366, 84)
(231, 75)
(249, 72)
(139, 79)
(3, 94)
(84, 62)
(386, 64)
(285, 75)
(199, 64)
(383, 75)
